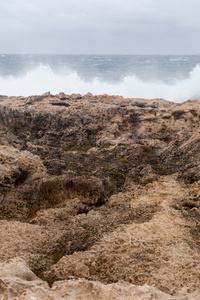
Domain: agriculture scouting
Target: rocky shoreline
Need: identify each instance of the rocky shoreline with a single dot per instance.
(99, 198)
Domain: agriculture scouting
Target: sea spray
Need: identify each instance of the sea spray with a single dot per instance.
(43, 77)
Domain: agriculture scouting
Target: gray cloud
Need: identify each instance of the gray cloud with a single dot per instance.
(100, 26)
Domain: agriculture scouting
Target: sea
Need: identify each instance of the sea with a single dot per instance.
(171, 77)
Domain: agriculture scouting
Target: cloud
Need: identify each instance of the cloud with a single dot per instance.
(92, 26)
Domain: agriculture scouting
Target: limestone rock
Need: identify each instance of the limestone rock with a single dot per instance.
(16, 276)
(83, 289)
(16, 166)
(101, 189)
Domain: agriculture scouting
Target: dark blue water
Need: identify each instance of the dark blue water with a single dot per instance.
(147, 76)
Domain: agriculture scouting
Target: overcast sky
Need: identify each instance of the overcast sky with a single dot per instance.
(100, 26)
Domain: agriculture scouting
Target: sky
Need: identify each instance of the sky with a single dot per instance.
(100, 26)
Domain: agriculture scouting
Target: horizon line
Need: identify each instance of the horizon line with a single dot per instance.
(130, 54)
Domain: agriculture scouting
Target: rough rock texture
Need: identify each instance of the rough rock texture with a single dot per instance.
(16, 276)
(99, 197)
(83, 289)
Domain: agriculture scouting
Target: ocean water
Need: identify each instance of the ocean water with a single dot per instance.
(171, 77)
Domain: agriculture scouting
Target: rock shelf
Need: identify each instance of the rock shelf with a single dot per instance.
(99, 198)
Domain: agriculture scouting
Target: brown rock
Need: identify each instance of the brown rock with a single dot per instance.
(16, 276)
(102, 189)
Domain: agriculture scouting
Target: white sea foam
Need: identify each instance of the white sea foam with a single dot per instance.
(179, 59)
(43, 79)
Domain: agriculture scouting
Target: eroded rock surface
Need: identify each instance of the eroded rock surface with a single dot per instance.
(99, 197)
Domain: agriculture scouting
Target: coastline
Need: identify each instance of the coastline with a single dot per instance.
(99, 196)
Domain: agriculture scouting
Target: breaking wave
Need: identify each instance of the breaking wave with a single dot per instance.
(43, 79)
